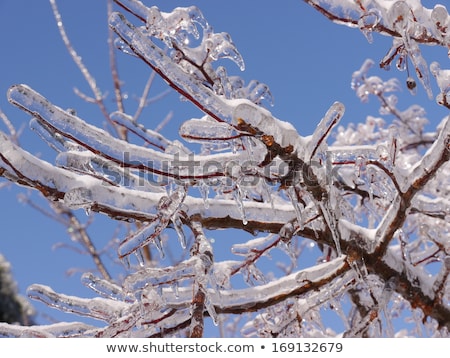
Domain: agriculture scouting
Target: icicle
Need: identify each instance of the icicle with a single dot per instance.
(268, 194)
(220, 45)
(238, 198)
(323, 130)
(298, 207)
(140, 257)
(204, 191)
(331, 222)
(178, 225)
(212, 311)
(175, 289)
(168, 206)
(159, 246)
(360, 168)
(256, 92)
(125, 260)
(252, 273)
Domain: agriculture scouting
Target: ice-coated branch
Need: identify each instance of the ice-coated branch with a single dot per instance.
(372, 16)
(61, 329)
(97, 308)
(409, 23)
(419, 175)
(358, 220)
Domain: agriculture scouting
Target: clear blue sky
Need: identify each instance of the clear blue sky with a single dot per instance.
(306, 60)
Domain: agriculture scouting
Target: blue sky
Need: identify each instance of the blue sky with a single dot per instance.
(305, 59)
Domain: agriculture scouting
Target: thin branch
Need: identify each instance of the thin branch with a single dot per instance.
(77, 59)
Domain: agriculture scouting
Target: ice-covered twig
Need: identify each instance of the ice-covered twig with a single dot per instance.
(419, 175)
(188, 86)
(97, 308)
(61, 329)
(409, 23)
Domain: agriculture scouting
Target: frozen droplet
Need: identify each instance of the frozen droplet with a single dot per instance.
(140, 257)
(402, 61)
(411, 85)
(220, 45)
(330, 218)
(178, 225)
(360, 165)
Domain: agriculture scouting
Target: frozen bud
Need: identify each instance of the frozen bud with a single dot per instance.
(400, 16)
(411, 84)
(440, 18)
(383, 152)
